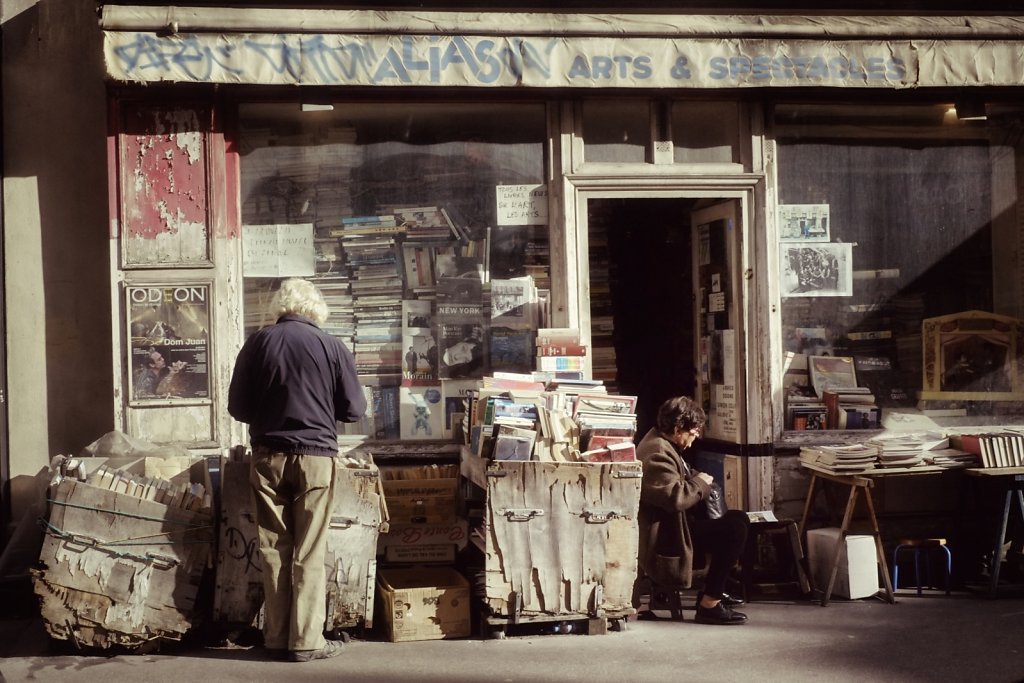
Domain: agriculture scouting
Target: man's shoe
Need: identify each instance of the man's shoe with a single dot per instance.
(729, 600)
(719, 614)
(331, 648)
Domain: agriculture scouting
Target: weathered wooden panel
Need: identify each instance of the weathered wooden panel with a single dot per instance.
(562, 536)
(239, 587)
(192, 424)
(164, 189)
(119, 570)
(351, 560)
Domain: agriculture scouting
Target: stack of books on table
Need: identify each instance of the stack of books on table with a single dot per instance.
(845, 459)
(907, 450)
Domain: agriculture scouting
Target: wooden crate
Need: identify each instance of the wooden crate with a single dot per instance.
(560, 538)
(357, 518)
(117, 570)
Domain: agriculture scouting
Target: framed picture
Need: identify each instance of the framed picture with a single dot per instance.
(830, 372)
(803, 223)
(816, 270)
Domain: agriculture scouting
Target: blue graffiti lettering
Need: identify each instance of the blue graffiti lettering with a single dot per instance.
(149, 52)
(327, 59)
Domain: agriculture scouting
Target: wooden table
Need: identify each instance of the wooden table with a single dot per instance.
(1012, 481)
(859, 483)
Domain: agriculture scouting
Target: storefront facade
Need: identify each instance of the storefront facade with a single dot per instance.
(711, 200)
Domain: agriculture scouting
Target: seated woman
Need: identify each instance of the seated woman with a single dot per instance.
(671, 489)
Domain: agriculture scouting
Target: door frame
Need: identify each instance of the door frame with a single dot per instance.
(754, 312)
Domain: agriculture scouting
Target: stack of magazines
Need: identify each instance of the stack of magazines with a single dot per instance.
(840, 459)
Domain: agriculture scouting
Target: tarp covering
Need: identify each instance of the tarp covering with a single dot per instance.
(547, 50)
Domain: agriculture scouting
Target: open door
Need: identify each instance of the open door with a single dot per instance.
(718, 320)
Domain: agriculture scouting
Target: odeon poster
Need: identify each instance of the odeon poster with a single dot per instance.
(169, 333)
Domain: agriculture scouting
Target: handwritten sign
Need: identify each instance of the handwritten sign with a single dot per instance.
(277, 250)
(522, 204)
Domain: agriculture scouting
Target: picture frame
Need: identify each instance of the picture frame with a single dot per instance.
(831, 372)
(804, 223)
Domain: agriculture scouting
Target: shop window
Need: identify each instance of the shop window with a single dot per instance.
(424, 225)
(616, 130)
(897, 230)
(705, 132)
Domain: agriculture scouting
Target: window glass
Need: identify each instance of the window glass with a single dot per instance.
(425, 227)
(897, 248)
(616, 131)
(705, 132)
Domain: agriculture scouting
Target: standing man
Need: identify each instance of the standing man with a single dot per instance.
(292, 383)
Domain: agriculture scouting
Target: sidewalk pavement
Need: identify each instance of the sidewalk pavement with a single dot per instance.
(934, 637)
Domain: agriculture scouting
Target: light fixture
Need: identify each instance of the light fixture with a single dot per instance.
(308, 106)
(971, 110)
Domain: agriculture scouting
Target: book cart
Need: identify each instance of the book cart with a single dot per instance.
(559, 541)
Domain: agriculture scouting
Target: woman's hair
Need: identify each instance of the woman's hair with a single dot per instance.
(681, 412)
(299, 297)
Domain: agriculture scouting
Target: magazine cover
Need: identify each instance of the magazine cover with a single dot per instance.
(419, 346)
(422, 412)
(511, 350)
(454, 393)
(462, 350)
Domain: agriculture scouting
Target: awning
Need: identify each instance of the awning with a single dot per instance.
(546, 50)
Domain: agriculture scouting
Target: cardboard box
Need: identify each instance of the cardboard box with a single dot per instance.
(858, 563)
(421, 500)
(425, 603)
(423, 543)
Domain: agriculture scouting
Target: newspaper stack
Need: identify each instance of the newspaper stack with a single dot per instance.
(840, 459)
(906, 450)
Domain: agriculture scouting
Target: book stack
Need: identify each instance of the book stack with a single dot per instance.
(995, 449)
(605, 419)
(804, 410)
(846, 459)
(907, 450)
(850, 408)
(561, 350)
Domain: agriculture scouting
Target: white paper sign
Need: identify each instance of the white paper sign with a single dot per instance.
(522, 204)
(278, 250)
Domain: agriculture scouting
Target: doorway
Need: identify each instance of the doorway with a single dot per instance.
(642, 299)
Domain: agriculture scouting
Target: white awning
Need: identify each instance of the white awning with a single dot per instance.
(540, 50)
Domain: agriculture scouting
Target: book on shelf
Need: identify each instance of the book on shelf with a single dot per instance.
(513, 442)
(562, 350)
(558, 335)
(829, 372)
(384, 219)
(624, 451)
(546, 363)
(850, 408)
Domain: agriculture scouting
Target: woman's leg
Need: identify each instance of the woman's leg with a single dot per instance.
(724, 538)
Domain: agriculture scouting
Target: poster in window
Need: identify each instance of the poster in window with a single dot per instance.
(803, 222)
(816, 270)
(169, 327)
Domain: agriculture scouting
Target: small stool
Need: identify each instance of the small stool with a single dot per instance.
(919, 546)
(792, 558)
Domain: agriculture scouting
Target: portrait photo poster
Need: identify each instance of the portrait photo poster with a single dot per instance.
(816, 269)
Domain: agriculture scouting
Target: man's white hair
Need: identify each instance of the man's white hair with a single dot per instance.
(299, 297)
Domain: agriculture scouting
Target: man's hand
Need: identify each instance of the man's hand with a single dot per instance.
(705, 477)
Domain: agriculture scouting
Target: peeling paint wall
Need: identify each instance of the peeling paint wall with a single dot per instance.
(164, 184)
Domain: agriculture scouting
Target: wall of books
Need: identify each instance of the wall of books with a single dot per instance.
(873, 244)
(425, 227)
